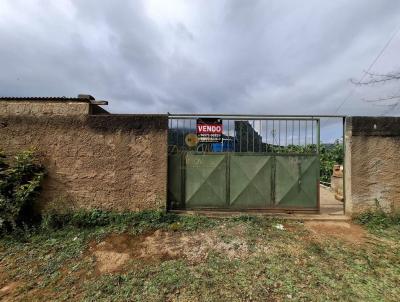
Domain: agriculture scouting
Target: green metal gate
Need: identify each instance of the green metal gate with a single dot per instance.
(205, 181)
(257, 170)
(243, 182)
(296, 181)
(250, 181)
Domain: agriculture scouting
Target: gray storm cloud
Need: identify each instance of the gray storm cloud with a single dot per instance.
(272, 57)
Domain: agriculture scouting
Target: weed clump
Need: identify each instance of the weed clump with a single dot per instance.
(140, 221)
(378, 219)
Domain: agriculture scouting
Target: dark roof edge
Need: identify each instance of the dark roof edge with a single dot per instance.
(82, 98)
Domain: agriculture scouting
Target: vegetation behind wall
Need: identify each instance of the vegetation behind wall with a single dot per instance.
(330, 154)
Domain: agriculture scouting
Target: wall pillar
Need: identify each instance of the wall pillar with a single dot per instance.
(347, 167)
(372, 164)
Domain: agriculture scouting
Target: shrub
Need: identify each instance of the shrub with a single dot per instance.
(329, 156)
(137, 221)
(19, 188)
(377, 219)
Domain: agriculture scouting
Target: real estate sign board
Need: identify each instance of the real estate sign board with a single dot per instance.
(209, 130)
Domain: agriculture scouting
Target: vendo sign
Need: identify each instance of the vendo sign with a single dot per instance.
(209, 130)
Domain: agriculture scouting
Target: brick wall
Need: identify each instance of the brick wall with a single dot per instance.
(114, 162)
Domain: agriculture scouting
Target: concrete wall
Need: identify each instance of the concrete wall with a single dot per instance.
(113, 162)
(372, 167)
(43, 108)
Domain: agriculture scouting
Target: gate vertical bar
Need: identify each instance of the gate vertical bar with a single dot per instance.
(183, 133)
(183, 178)
(177, 134)
(273, 136)
(344, 164)
(292, 132)
(286, 134)
(279, 133)
(253, 134)
(247, 136)
(273, 181)
(260, 140)
(266, 136)
(299, 133)
(305, 135)
(318, 135)
(312, 133)
(240, 137)
(228, 181)
(319, 174)
(229, 137)
(234, 136)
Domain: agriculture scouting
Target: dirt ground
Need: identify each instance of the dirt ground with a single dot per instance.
(231, 260)
(8, 289)
(115, 251)
(328, 203)
(347, 231)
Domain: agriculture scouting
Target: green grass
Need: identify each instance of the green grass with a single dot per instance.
(52, 262)
(380, 223)
(138, 221)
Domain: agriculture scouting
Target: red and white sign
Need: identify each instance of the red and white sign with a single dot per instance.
(209, 130)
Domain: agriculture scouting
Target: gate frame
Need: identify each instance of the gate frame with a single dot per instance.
(247, 117)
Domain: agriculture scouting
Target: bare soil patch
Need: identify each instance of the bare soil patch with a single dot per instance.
(7, 291)
(8, 288)
(343, 230)
(115, 251)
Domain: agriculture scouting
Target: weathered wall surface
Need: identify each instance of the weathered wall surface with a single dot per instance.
(372, 164)
(43, 108)
(114, 162)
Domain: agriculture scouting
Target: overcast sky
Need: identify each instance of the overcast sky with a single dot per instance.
(269, 57)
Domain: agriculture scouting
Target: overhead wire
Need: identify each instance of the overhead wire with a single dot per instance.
(369, 69)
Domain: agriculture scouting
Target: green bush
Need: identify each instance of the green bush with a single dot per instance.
(377, 219)
(329, 156)
(98, 218)
(19, 188)
(140, 221)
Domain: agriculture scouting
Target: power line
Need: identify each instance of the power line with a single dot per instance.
(393, 106)
(369, 69)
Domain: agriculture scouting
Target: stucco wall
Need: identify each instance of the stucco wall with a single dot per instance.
(372, 171)
(114, 162)
(43, 108)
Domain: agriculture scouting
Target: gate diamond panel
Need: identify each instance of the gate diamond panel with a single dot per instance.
(205, 181)
(250, 181)
(296, 182)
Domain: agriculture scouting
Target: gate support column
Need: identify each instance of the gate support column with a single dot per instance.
(347, 138)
